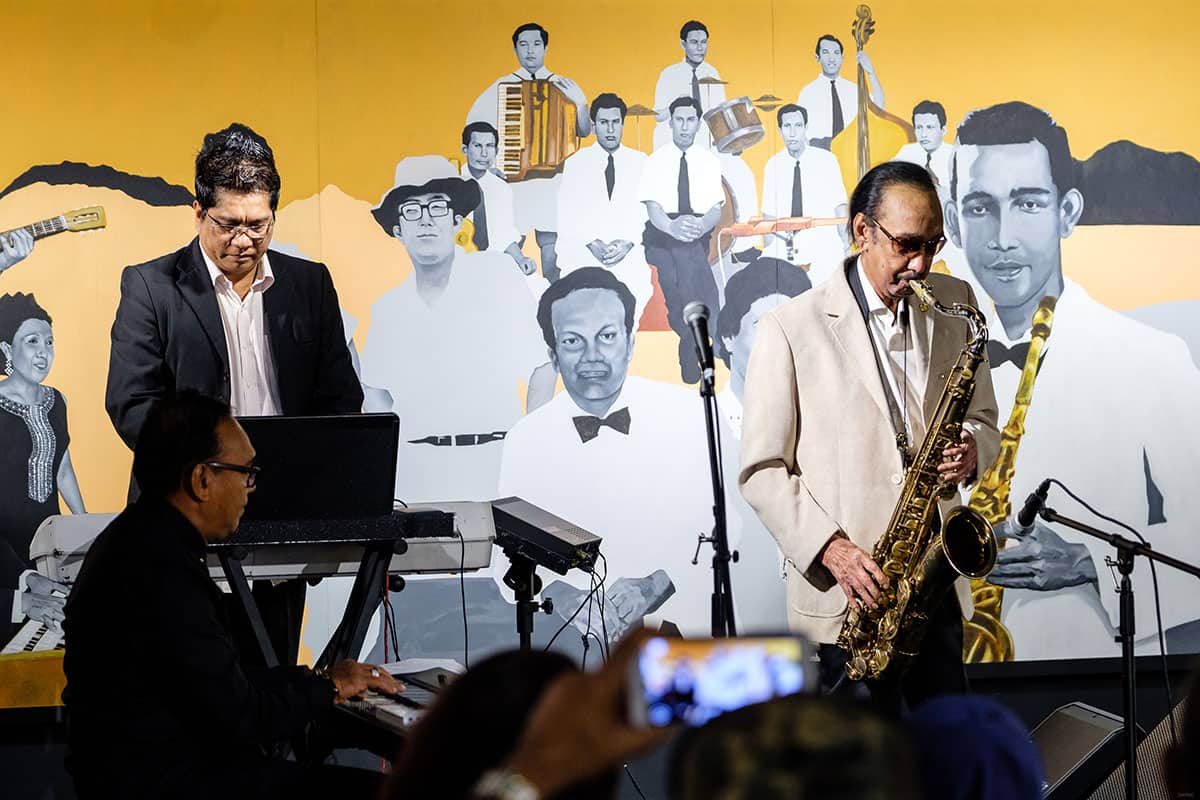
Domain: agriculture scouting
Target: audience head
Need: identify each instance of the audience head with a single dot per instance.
(26, 339)
(795, 748)
(970, 747)
(476, 723)
(194, 455)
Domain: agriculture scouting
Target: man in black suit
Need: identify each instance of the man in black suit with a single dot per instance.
(160, 703)
(221, 316)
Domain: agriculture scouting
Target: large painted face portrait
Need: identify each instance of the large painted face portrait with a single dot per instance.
(684, 124)
(829, 55)
(530, 50)
(592, 348)
(741, 345)
(31, 350)
(237, 230)
(1010, 219)
(695, 47)
(481, 151)
(905, 214)
(793, 131)
(609, 126)
(427, 225)
(929, 131)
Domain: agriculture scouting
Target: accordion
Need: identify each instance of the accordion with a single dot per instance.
(536, 122)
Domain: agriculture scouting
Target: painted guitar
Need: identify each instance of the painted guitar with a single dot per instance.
(81, 219)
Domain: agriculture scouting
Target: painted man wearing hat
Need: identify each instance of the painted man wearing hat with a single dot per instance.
(454, 344)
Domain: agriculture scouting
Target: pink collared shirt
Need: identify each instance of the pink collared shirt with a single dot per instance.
(253, 383)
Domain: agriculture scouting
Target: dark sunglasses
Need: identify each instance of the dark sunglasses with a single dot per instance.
(910, 246)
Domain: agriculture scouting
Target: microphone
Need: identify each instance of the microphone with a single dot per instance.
(1033, 504)
(695, 314)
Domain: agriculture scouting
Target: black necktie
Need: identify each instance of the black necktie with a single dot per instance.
(695, 87)
(929, 161)
(998, 353)
(610, 175)
(589, 427)
(838, 120)
(685, 188)
(797, 193)
(480, 237)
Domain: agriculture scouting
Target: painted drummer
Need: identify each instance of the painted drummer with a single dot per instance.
(692, 77)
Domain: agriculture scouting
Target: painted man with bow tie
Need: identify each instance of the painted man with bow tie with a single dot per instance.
(621, 456)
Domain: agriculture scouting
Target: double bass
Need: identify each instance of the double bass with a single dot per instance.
(874, 129)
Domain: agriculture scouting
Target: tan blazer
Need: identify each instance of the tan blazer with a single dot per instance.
(818, 450)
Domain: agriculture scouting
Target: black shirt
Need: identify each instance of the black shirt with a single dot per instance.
(156, 691)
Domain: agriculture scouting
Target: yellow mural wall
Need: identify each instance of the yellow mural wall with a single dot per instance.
(344, 90)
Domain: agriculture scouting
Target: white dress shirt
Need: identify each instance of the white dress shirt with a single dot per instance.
(676, 81)
(817, 101)
(660, 179)
(587, 213)
(456, 367)
(938, 160)
(497, 207)
(534, 199)
(823, 193)
(905, 352)
(253, 383)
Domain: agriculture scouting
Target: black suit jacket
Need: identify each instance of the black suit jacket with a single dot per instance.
(157, 695)
(168, 336)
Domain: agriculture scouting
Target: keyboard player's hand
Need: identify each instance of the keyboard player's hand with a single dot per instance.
(353, 679)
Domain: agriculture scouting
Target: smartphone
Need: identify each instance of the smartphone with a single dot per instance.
(691, 681)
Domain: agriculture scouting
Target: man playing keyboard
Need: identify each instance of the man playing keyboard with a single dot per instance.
(160, 704)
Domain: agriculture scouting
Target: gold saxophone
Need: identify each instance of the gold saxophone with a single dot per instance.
(921, 563)
(985, 639)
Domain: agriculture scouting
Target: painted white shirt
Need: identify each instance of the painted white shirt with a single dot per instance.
(818, 102)
(823, 192)
(1110, 392)
(457, 367)
(498, 208)
(253, 382)
(586, 213)
(676, 81)
(647, 493)
(660, 179)
(939, 160)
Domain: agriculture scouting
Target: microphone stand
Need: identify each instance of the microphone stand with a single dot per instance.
(1127, 549)
(722, 594)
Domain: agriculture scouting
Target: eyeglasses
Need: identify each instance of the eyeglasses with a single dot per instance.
(251, 471)
(911, 245)
(255, 233)
(411, 210)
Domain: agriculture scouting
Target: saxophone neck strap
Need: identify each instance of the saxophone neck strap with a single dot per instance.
(897, 418)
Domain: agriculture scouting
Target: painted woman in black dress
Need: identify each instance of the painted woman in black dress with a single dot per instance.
(35, 465)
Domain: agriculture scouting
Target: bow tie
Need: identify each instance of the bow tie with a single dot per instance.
(589, 427)
(998, 353)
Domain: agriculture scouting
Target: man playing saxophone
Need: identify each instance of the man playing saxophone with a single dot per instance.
(839, 392)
